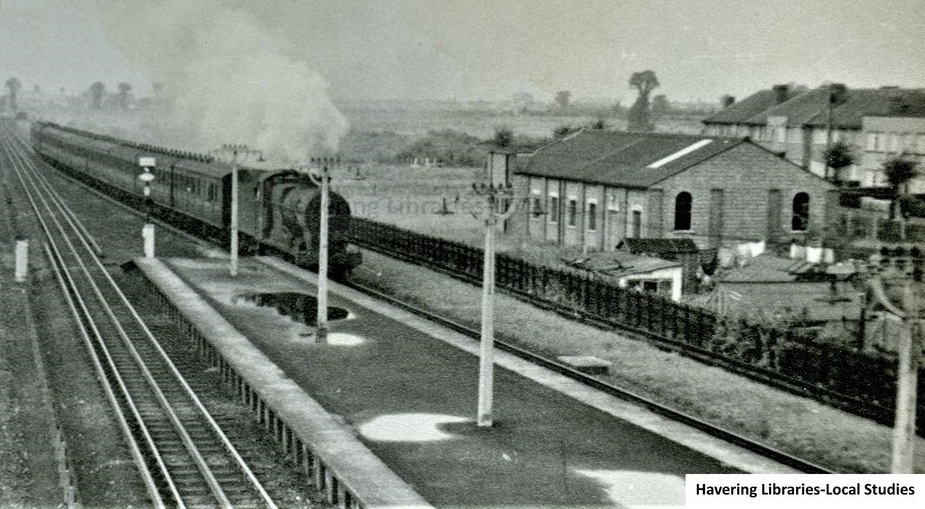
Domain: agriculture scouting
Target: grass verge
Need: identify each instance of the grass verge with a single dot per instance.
(800, 426)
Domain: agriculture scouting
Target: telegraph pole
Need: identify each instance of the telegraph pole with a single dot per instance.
(909, 352)
(323, 181)
(499, 206)
(235, 150)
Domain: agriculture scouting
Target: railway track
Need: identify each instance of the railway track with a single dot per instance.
(510, 347)
(182, 454)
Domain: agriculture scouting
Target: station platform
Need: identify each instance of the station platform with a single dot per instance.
(388, 403)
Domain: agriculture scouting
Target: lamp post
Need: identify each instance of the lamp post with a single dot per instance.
(323, 181)
(499, 205)
(235, 150)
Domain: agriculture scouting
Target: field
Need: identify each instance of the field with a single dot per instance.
(414, 197)
(380, 180)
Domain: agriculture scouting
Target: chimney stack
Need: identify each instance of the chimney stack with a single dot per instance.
(727, 101)
(839, 93)
(781, 93)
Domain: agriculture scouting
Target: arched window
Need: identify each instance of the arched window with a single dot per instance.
(800, 221)
(682, 211)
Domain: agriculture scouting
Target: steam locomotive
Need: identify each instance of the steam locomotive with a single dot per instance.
(278, 213)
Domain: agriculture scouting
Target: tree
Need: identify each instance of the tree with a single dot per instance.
(96, 95)
(899, 172)
(837, 157)
(504, 137)
(638, 119)
(563, 98)
(14, 85)
(660, 106)
(124, 89)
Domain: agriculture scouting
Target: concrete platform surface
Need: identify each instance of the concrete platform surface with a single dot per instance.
(407, 389)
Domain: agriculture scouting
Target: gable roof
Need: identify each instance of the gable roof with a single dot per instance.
(810, 107)
(798, 110)
(875, 102)
(755, 104)
(636, 160)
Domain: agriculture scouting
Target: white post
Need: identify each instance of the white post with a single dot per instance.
(499, 205)
(323, 256)
(236, 150)
(487, 339)
(147, 233)
(22, 260)
(909, 350)
(233, 269)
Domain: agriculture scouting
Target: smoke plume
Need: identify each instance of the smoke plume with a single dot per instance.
(226, 78)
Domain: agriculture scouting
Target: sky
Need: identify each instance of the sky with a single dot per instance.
(469, 49)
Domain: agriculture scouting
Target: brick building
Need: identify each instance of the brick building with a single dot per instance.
(592, 189)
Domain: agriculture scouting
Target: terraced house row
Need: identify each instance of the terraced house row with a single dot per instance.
(799, 123)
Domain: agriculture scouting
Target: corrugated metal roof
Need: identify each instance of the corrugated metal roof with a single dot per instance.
(622, 159)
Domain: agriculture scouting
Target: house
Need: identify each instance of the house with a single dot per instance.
(888, 137)
(800, 123)
(592, 189)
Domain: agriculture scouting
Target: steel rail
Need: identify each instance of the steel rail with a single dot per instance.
(188, 442)
(609, 388)
(204, 413)
(718, 432)
(137, 456)
(165, 359)
(92, 352)
(23, 149)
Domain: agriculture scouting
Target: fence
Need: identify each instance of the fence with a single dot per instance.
(861, 382)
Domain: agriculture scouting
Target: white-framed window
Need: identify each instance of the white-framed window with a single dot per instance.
(908, 142)
(871, 142)
(894, 142)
